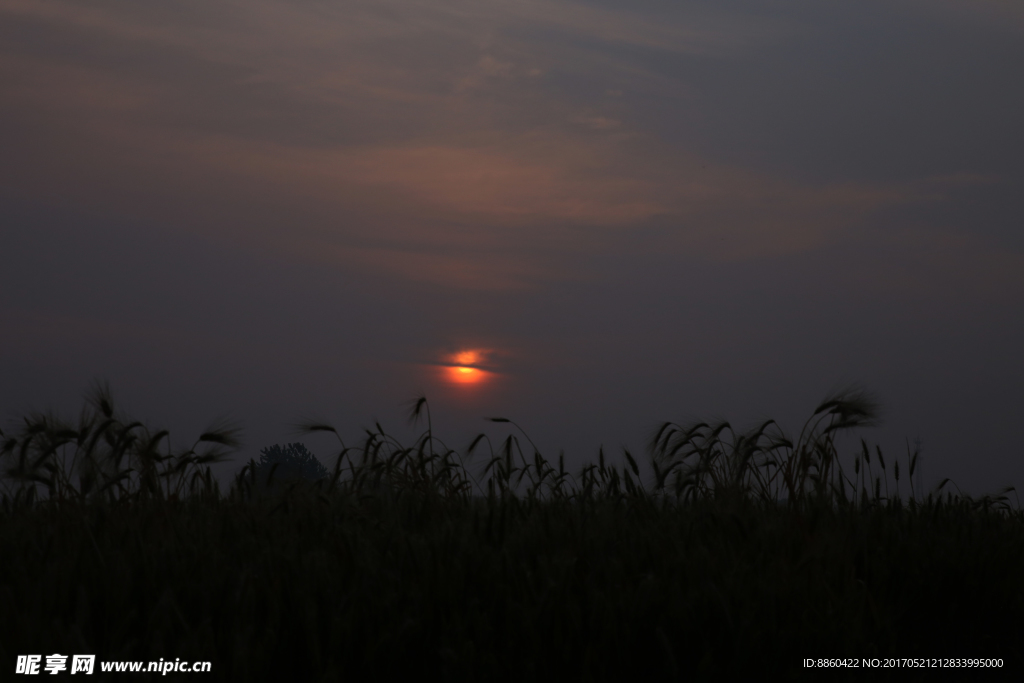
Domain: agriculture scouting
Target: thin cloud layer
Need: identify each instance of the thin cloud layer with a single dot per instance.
(383, 126)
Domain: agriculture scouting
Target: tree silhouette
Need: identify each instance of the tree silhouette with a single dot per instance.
(288, 464)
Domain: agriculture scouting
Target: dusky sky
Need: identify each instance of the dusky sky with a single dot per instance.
(589, 217)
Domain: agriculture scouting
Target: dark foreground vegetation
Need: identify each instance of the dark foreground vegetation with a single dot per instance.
(743, 554)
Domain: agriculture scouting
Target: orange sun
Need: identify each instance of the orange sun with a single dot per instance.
(467, 357)
(460, 374)
(462, 368)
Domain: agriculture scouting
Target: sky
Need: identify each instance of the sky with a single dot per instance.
(588, 217)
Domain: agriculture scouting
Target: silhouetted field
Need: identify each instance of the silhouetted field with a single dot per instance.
(745, 554)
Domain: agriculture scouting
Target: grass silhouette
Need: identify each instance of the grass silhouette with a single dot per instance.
(738, 553)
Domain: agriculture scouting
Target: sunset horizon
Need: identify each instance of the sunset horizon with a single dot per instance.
(661, 332)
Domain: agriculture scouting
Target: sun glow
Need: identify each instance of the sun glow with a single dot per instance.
(463, 369)
(467, 357)
(460, 374)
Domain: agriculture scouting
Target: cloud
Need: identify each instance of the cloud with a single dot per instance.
(992, 14)
(419, 138)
